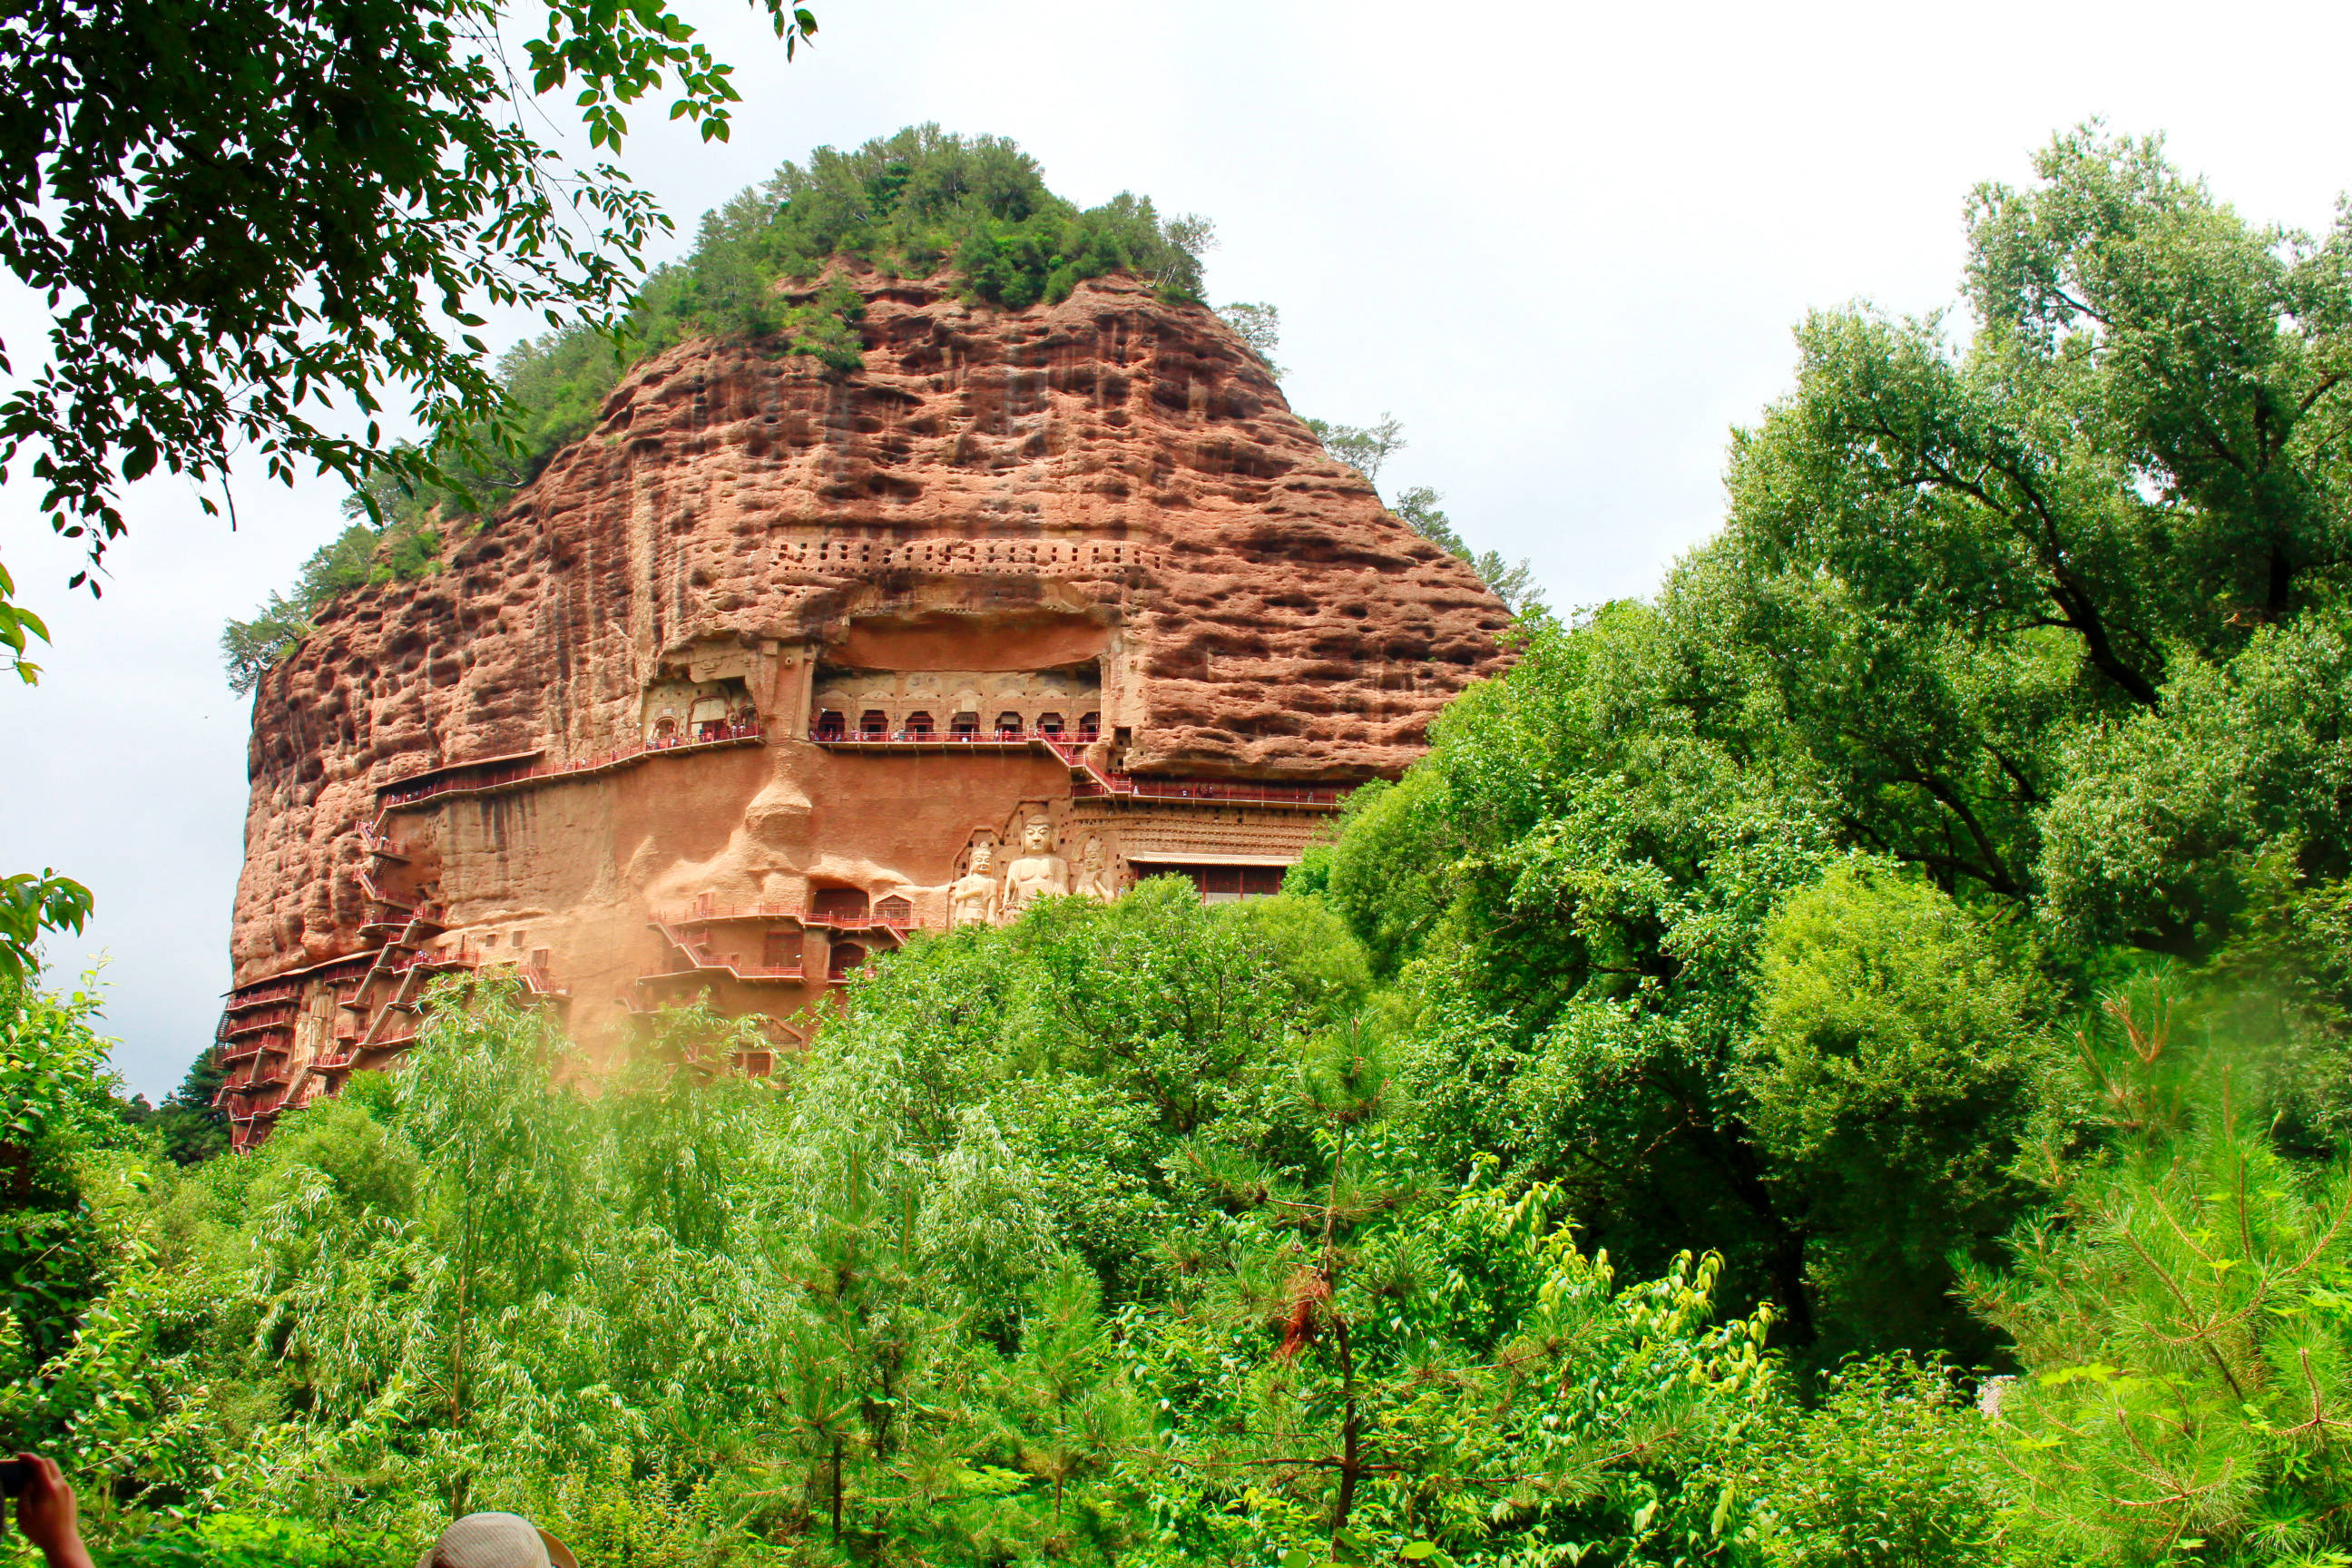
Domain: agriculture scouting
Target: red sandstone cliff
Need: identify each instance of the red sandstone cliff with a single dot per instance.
(1111, 461)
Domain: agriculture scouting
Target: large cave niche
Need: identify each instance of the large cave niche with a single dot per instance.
(680, 710)
(852, 703)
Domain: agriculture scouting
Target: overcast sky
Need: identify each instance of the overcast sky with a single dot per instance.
(1564, 243)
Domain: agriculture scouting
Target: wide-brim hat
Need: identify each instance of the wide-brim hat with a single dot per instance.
(497, 1541)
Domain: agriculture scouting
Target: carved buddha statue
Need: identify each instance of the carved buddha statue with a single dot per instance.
(1095, 878)
(1037, 872)
(972, 897)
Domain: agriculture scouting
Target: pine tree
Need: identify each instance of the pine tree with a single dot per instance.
(1374, 1363)
(2184, 1312)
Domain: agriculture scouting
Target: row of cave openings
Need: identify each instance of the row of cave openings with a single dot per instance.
(873, 724)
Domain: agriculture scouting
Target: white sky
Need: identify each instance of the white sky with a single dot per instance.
(1565, 244)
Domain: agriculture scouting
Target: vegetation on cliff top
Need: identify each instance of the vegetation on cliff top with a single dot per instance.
(909, 204)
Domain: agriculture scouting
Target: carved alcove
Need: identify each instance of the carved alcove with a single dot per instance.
(968, 674)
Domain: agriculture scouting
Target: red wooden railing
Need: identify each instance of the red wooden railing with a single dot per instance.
(1010, 740)
(377, 842)
(700, 959)
(1097, 783)
(703, 911)
(232, 1026)
(261, 996)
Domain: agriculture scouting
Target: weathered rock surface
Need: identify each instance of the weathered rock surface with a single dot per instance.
(1111, 456)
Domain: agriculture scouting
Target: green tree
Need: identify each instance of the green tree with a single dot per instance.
(1368, 448)
(1259, 323)
(1943, 562)
(2182, 1316)
(1363, 447)
(2175, 818)
(1363, 1368)
(1896, 1070)
(1569, 891)
(58, 1099)
(189, 1128)
(1892, 1468)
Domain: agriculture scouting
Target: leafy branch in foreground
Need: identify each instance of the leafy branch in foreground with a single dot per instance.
(243, 213)
(2184, 1312)
(30, 905)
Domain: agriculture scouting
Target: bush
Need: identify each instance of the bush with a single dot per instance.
(1894, 1466)
(249, 1540)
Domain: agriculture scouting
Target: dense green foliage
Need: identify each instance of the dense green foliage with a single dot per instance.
(1023, 1290)
(913, 204)
(1843, 1062)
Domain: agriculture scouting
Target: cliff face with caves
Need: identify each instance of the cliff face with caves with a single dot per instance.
(773, 636)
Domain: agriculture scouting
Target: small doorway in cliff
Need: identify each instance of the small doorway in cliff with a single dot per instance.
(1089, 726)
(964, 726)
(893, 910)
(831, 725)
(1049, 724)
(848, 958)
(1008, 725)
(917, 727)
(873, 724)
(837, 903)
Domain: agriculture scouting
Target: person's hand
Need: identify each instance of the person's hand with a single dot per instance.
(45, 1514)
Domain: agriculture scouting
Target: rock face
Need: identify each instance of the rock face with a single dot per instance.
(741, 688)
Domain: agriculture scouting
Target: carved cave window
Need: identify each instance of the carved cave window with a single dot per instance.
(1089, 726)
(848, 958)
(831, 725)
(896, 911)
(1008, 723)
(873, 724)
(1050, 723)
(919, 726)
(964, 723)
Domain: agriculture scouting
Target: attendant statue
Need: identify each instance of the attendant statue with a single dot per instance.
(1037, 872)
(1095, 878)
(972, 897)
